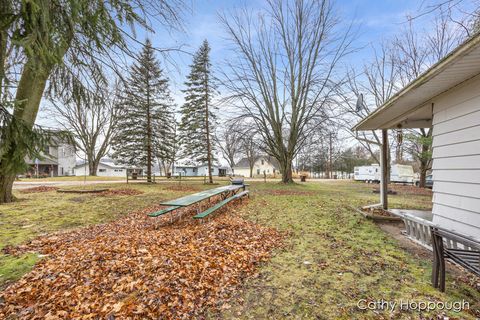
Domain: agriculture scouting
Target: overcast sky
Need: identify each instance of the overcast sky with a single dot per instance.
(373, 21)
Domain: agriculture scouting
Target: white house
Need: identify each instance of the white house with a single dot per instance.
(445, 98)
(193, 170)
(105, 169)
(262, 164)
(57, 159)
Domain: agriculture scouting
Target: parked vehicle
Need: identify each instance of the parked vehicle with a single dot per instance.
(371, 174)
(400, 173)
(428, 182)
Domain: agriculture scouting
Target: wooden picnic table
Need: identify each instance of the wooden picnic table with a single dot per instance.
(200, 196)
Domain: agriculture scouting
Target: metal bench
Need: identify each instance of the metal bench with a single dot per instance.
(465, 252)
(220, 205)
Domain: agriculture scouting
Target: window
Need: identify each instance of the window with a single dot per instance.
(118, 170)
(102, 170)
(46, 150)
(258, 171)
(263, 162)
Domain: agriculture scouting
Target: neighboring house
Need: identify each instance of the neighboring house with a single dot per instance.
(192, 170)
(58, 159)
(106, 168)
(263, 164)
(446, 98)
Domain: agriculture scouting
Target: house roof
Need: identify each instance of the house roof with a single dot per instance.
(411, 107)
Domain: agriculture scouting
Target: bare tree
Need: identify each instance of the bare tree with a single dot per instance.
(284, 76)
(416, 50)
(229, 140)
(375, 84)
(93, 122)
(250, 148)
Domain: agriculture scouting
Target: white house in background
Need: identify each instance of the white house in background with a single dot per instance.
(105, 169)
(445, 98)
(263, 164)
(193, 170)
(57, 159)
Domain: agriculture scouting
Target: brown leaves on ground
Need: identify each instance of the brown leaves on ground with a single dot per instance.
(287, 192)
(139, 267)
(407, 190)
(179, 187)
(39, 189)
(119, 192)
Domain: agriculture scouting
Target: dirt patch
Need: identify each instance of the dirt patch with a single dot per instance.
(39, 189)
(287, 192)
(406, 190)
(139, 267)
(119, 192)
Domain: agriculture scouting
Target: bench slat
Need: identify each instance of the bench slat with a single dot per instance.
(161, 212)
(219, 205)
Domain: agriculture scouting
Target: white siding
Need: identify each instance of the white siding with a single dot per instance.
(456, 159)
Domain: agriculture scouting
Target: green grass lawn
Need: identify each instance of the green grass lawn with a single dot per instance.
(333, 257)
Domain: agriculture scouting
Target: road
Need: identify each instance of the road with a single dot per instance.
(30, 184)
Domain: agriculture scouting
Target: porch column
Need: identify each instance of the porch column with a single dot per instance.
(384, 170)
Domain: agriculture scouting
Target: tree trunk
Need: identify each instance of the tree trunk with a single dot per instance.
(93, 166)
(286, 166)
(251, 171)
(29, 94)
(6, 185)
(423, 175)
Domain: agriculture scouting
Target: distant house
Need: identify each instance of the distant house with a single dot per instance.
(57, 159)
(445, 98)
(106, 168)
(263, 165)
(193, 170)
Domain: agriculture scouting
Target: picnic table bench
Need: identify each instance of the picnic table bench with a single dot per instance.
(227, 194)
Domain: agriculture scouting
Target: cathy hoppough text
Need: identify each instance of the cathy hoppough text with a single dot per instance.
(385, 305)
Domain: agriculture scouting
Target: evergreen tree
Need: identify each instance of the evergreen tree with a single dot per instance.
(198, 119)
(145, 122)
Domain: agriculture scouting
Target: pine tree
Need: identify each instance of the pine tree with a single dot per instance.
(198, 119)
(145, 122)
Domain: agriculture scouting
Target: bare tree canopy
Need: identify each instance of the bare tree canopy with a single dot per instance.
(285, 72)
(92, 121)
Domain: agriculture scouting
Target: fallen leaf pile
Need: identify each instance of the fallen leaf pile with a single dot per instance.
(39, 189)
(139, 267)
(119, 192)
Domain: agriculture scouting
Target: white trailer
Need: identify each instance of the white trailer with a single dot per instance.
(368, 174)
(400, 173)
(371, 174)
